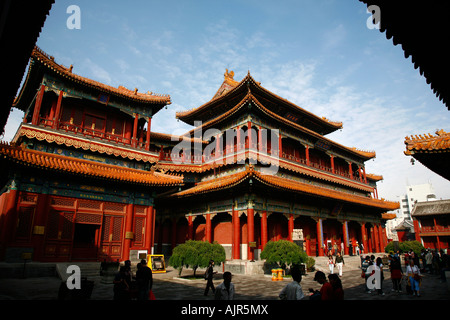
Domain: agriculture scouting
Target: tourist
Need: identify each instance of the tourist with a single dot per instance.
(293, 290)
(379, 264)
(445, 265)
(436, 262)
(413, 272)
(429, 261)
(336, 284)
(209, 277)
(325, 292)
(121, 289)
(330, 263)
(144, 280)
(225, 290)
(339, 262)
(396, 274)
(365, 273)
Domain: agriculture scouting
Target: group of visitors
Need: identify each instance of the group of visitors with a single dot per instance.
(128, 287)
(338, 262)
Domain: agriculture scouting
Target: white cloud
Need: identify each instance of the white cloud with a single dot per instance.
(95, 72)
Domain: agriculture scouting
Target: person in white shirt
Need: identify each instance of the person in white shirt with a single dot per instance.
(225, 290)
(413, 273)
(293, 290)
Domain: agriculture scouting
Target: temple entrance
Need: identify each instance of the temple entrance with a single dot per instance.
(85, 241)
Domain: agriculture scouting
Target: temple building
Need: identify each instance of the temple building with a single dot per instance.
(85, 178)
(77, 179)
(432, 224)
(266, 171)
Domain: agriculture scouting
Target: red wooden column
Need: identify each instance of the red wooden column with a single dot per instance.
(417, 229)
(319, 236)
(376, 238)
(364, 237)
(236, 235)
(57, 115)
(260, 144)
(280, 145)
(40, 218)
(238, 138)
(263, 229)
(190, 228)
(134, 137)
(307, 154)
(350, 172)
(332, 164)
(208, 227)
(381, 238)
(147, 140)
(149, 227)
(250, 231)
(345, 233)
(249, 134)
(291, 227)
(128, 231)
(37, 105)
(364, 173)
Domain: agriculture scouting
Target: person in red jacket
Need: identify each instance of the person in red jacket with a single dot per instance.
(326, 291)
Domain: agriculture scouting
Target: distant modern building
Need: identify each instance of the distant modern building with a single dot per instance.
(403, 222)
(416, 193)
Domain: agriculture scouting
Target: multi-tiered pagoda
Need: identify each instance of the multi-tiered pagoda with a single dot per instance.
(266, 171)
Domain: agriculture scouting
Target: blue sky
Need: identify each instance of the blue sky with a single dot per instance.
(319, 54)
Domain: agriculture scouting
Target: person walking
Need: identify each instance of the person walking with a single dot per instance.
(429, 261)
(293, 290)
(365, 273)
(121, 289)
(330, 263)
(379, 264)
(144, 279)
(209, 277)
(396, 274)
(225, 290)
(413, 272)
(339, 262)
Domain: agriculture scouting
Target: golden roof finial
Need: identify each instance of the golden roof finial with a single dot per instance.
(229, 74)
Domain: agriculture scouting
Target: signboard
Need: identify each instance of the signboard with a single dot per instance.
(297, 234)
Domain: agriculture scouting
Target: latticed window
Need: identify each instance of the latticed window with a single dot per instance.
(63, 202)
(115, 207)
(139, 230)
(88, 218)
(29, 198)
(60, 225)
(93, 205)
(106, 228)
(25, 220)
(117, 229)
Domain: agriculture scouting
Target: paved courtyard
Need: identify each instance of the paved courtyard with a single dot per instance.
(168, 286)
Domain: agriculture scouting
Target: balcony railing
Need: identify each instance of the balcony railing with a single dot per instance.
(101, 134)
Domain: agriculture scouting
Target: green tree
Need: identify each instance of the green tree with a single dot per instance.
(283, 253)
(196, 254)
(405, 246)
